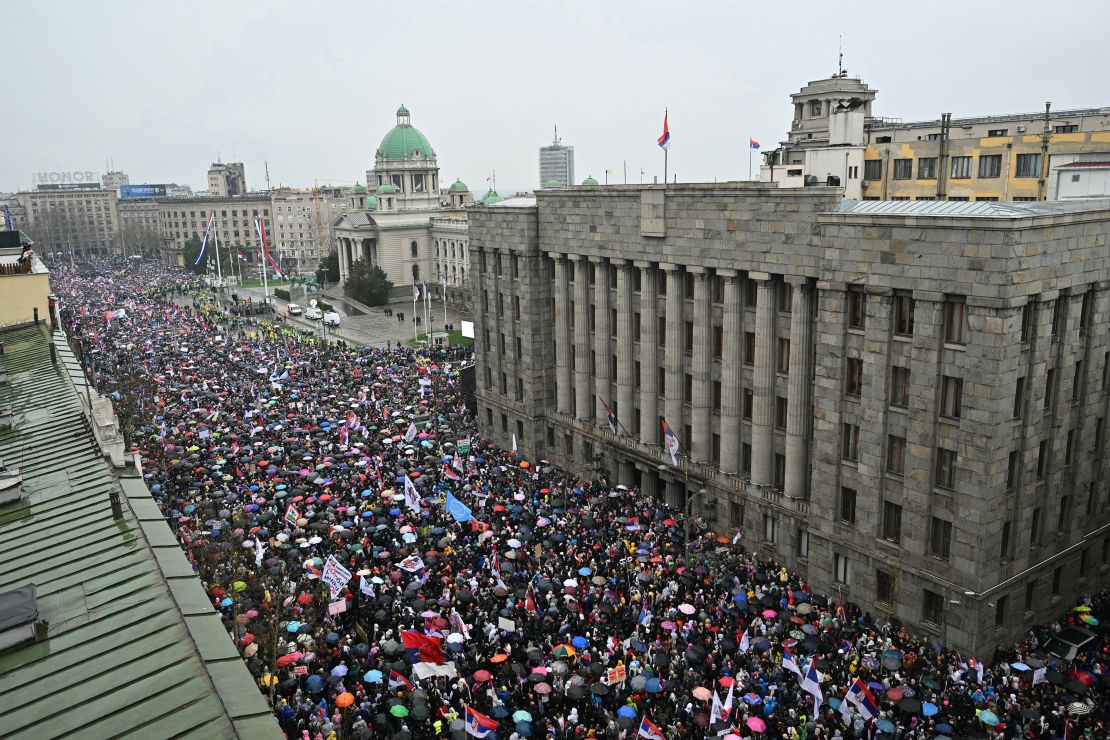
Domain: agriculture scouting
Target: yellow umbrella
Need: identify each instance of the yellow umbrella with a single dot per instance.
(239, 586)
(1082, 609)
(269, 679)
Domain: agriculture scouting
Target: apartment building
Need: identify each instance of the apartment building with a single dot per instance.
(904, 401)
(80, 221)
(185, 218)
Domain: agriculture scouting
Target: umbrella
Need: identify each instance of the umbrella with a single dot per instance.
(521, 715)
(1019, 666)
(399, 710)
(345, 700)
(988, 718)
(701, 693)
(910, 706)
(482, 676)
(756, 723)
(929, 709)
(686, 608)
(894, 694)
(580, 643)
(563, 651)
(542, 688)
(1079, 707)
(884, 725)
(944, 729)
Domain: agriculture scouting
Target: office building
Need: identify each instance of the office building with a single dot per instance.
(77, 221)
(183, 219)
(140, 226)
(406, 223)
(835, 140)
(226, 180)
(304, 222)
(114, 180)
(556, 164)
(904, 401)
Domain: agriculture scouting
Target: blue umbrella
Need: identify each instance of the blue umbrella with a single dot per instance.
(834, 703)
(944, 729)
(988, 718)
(585, 571)
(1019, 666)
(653, 685)
(499, 712)
(373, 676)
(929, 709)
(884, 725)
(521, 715)
(293, 626)
(226, 602)
(626, 711)
(339, 670)
(314, 684)
(580, 642)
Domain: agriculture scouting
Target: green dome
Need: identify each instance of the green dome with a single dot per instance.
(404, 142)
(552, 183)
(371, 203)
(491, 198)
(358, 189)
(459, 186)
(589, 181)
(387, 189)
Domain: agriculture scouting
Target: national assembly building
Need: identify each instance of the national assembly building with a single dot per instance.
(903, 400)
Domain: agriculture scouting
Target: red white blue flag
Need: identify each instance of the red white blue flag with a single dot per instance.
(752, 143)
(479, 725)
(650, 730)
(397, 681)
(671, 442)
(665, 139)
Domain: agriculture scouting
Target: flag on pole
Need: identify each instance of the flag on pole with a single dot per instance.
(415, 292)
(410, 433)
(789, 663)
(397, 681)
(811, 684)
(207, 232)
(459, 511)
(745, 643)
(717, 710)
(11, 225)
(479, 725)
(665, 139)
(529, 601)
(752, 143)
(344, 436)
(424, 287)
(609, 415)
(859, 695)
(412, 496)
(726, 710)
(260, 226)
(650, 730)
(671, 442)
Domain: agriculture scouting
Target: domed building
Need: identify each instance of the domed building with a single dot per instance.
(403, 221)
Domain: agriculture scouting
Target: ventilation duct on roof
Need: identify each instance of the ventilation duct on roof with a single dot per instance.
(11, 485)
(7, 419)
(19, 615)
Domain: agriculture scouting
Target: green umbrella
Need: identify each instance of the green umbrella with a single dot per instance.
(521, 716)
(399, 710)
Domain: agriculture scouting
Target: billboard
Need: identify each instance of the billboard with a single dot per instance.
(71, 186)
(85, 178)
(142, 191)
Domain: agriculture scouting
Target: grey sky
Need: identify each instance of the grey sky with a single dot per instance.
(312, 87)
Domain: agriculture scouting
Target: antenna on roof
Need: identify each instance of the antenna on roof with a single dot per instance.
(840, 57)
(556, 134)
(267, 162)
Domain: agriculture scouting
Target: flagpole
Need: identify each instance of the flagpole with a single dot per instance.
(216, 243)
(415, 293)
(445, 301)
(666, 150)
(749, 161)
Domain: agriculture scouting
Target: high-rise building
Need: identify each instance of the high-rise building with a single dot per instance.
(556, 164)
(835, 140)
(226, 180)
(113, 180)
(77, 221)
(904, 401)
(304, 225)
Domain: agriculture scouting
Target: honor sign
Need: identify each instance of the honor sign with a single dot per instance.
(65, 178)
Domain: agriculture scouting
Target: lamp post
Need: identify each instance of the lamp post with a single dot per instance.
(688, 500)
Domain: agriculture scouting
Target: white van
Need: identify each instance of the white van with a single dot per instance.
(312, 312)
(295, 310)
(331, 318)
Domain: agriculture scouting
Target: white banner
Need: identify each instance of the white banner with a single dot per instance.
(335, 575)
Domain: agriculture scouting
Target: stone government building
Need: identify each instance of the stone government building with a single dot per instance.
(903, 400)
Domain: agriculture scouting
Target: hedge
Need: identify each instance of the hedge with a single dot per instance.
(281, 293)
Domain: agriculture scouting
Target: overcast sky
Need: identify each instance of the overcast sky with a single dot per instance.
(163, 88)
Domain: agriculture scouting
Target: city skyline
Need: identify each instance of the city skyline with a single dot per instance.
(300, 75)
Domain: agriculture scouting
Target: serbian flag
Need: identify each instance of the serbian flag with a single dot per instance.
(609, 415)
(415, 292)
(207, 232)
(859, 695)
(449, 473)
(665, 142)
(789, 663)
(479, 725)
(671, 441)
(260, 226)
(397, 681)
(344, 436)
(650, 730)
(752, 143)
(352, 420)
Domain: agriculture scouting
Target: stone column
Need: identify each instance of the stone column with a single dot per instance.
(563, 386)
(799, 390)
(731, 361)
(603, 335)
(625, 382)
(582, 386)
(649, 353)
(702, 401)
(763, 411)
(650, 483)
(343, 268)
(673, 397)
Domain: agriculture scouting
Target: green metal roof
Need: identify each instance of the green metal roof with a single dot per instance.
(371, 203)
(552, 183)
(358, 189)
(129, 643)
(491, 197)
(387, 189)
(404, 141)
(590, 181)
(459, 186)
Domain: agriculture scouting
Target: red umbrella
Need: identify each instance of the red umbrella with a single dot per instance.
(481, 676)
(894, 694)
(304, 599)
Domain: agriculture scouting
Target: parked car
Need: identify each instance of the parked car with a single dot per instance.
(1067, 643)
(331, 318)
(313, 313)
(295, 310)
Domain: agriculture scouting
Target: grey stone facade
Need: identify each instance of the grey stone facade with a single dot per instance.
(765, 325)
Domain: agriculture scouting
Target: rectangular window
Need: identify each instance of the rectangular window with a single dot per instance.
(716, 395)
(1027, 320)
(955, 321)
(946, 468)
(933, 607)
(848, 505)
(884, 587)
(1106, 371)
(961, 168)
(1058, 315)
(951, 396)
(661, 331)
(718, 289)
(661, 380)
(903, 169)
(749, 348)
(843, 569)
(785, 296)
(927, 168)
(718, 342)
(892, 521)
(872, 169)
(1049, 388)
(1000, 611)
(751, 293)
(780, 470)
(780, 413)
(895, 454)
(688, 337)
(903, 315)
(1028, 165)
(801, 543)
(769, 525)
(853, 384)
(997, 132)
(1004, 555)
(1085, 310)
(636, 327)
(749, 402)
(1035, 528)
(940, 538)
(689, 285)
(856, 313)
(661, 282)
(688, 390)
(783, 357)
(1057, 577)
(745, 458)
(1012, 469)
(1062, 514)
(1030, 594)
(1077, 380)
(1069, 450)
(900, 387)
(1065, 128)
(1042, 459)
(990, 165)
(1019, 398)
(850, 445)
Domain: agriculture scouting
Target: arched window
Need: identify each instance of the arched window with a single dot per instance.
(415, 250)
(416, 273)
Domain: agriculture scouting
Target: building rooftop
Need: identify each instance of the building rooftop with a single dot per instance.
(1080, 165)
(888, 124)
(127, 640)
(968, 209)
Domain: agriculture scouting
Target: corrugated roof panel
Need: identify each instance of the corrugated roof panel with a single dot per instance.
(967, 209)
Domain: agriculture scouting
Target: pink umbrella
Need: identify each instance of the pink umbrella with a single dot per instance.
(687, 608)
(757, 724)
(669, 625)
(543, 688)
(769, 613)
(701, 693)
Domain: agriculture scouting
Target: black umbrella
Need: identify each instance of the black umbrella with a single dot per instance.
(910, 706)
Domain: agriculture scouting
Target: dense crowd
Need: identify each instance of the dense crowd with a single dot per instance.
(383, 569)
